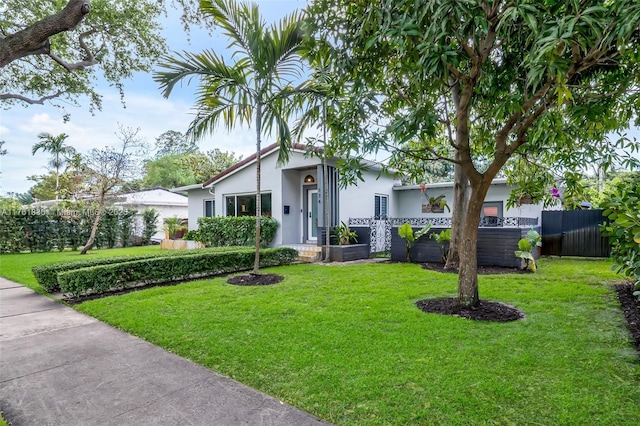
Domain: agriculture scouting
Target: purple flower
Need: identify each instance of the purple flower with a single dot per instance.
(555, 192)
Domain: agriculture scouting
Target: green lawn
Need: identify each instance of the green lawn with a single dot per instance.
(347, 343)
(17, 267)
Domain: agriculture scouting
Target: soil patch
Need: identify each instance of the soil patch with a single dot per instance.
(486, 311)
(482, 270)
(255, 279)
(631, 309)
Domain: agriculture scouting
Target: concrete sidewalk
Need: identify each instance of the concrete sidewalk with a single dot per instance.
(61, 367)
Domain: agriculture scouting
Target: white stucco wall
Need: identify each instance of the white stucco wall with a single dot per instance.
(359, 200)
(196, 205)
(410, 201)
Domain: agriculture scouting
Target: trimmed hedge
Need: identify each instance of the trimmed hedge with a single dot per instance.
(47, 275)
(234, 231)
(44, 230)
(117, 276)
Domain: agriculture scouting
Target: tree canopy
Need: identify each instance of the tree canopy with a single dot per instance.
(54, 51)
(479, 82)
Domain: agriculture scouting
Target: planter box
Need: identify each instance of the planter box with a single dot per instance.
(496, 247)
(350, 252)
(180, 245)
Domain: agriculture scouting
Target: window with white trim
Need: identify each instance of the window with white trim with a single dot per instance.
(381, 206)
(245, 205)
(209, 208)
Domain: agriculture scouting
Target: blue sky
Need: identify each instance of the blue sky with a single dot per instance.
(145, 108)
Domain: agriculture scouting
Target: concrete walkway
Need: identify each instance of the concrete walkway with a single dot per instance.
(61, 367)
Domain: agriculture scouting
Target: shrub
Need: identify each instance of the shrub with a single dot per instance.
(103, 278)
(235, 231)
(406, 232)
(622, 208)
(526, 246)
(149, 221)
(47, 275)
(126, 226)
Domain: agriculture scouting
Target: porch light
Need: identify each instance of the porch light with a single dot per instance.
(309, 179)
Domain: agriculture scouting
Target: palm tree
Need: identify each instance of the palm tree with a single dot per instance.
(56, 146)
(315, 111)
(257, 88)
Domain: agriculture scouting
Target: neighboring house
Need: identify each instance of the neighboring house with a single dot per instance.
(291, 194)
(167, 203)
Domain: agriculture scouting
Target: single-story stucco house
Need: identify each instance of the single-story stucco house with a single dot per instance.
(292, 194)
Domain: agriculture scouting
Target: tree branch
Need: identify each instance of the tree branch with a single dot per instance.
(34, 39)
(89, 58)
(41, 101)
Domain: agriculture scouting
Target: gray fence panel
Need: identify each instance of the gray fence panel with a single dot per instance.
(574, 233)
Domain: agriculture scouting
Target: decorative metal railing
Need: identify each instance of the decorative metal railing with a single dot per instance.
(380, 237)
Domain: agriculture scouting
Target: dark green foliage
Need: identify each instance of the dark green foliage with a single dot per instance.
(108, 229)
(47, 275)
(622, 207)
(12, 232)
(103, 278)
(126, 226)
(234, 231)
(149, 221)
(38, 230)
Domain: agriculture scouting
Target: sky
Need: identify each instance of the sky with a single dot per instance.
(145, 108)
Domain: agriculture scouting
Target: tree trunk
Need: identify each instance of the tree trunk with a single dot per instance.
(256, 262)
(325, 185)
(468, 273)
(94, 228)
(459, 208)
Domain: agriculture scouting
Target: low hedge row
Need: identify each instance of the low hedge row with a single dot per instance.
(117, 276)
(47, 275)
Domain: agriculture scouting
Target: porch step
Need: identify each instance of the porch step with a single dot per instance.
(307, 253)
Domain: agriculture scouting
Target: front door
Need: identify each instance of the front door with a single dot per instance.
(312, 215)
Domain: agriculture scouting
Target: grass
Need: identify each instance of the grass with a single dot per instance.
(17, 267)
(347, 343)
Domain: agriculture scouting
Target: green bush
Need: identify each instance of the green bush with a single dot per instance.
(149, 222)
(39, 230)
(104, 278)
(622, 208)
(47, 275)
(234, 231)
(126, 226)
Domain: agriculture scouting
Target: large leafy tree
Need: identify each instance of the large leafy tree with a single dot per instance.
(166, 172)
(53, 51)
(55, 145)
(173, 142)
(205, 165)
(256, 89)
(479, 82)
(50, 185)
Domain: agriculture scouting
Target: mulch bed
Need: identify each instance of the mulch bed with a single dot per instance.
(255, 279)
(486, 311)
(482, 270)
(631, 309)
